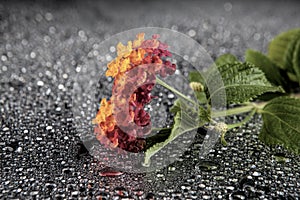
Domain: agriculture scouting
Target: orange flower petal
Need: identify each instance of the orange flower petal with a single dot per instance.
(113, 68)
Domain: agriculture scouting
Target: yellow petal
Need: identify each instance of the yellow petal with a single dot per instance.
(124, 51)
(103, 102)
(125, 65)
(139, 40)
(113, 68)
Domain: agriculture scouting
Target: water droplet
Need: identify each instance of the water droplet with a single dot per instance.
(230, 188)
(34, 193)
(61, 87)
(32, 55)
(256, 173)
(47, 38)
(121, 191)
(48, 16)
(52, 30)
(207, 166)
(108, 57)
(192, 33)
(186, 57)
(228, 6)
(171, 168)
(174, 27)
(112, 49)
(256, 36)
(171, 96)
(81, 33)
(75, 193)
(206, 197)
(238, 195)
(78, 69)
(19, 150)
(65, 76)
(40, 83)
(4, 58)
(38, 17)
(138, 192)
(219, 178)
(10, 149)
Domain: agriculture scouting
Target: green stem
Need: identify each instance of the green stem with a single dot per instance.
(245, 120)
(223, 141)
(239, 110)
(232, 111)
(162, 83)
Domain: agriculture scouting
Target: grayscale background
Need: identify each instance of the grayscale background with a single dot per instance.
(45, 44)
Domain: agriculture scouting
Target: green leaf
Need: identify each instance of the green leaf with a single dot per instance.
(292, 77)
(225, 59)
(195, 76)
(186, 119)
(242, 82)
(272, 73)
(296, 60)
(204, 115)
(289, 53)
(281, 123)
(176, 106)
(201, 96)
(160, 136)
(281, 48)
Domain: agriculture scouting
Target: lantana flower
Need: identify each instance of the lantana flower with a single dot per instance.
(122, 121)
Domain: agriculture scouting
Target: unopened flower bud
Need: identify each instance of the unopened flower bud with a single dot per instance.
(221, 127)
(197, 87)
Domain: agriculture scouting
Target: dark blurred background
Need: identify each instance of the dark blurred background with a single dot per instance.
(45, 44)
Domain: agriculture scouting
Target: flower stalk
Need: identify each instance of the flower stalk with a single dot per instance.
(164, 84)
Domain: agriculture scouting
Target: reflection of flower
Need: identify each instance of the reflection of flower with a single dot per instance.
(122, 120)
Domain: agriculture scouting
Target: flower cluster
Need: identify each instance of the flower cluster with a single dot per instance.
(122, 121)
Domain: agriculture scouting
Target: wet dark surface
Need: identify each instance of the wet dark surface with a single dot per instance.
(43, 47)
